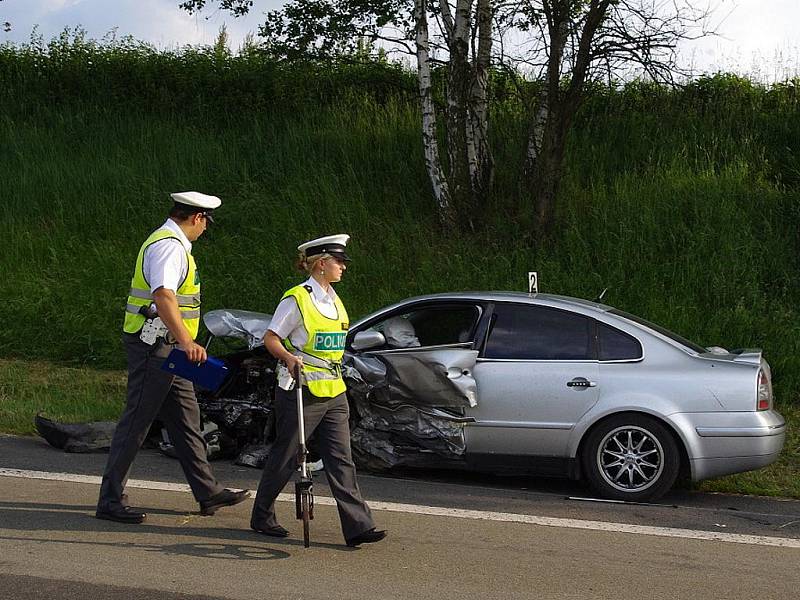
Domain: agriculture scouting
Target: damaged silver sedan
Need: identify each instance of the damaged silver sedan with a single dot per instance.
(507, 382)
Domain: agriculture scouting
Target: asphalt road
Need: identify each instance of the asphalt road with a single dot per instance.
(450, 536)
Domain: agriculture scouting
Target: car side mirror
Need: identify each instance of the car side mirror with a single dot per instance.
(364, 340)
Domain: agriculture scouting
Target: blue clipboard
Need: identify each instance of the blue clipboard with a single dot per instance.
(208, 375)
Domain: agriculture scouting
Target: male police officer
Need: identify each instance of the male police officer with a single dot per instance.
(165, 281)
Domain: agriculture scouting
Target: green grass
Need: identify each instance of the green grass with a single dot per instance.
(65, 394)
(685, 204)
(712, 254)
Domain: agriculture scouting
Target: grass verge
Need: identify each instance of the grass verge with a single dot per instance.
(66, 394)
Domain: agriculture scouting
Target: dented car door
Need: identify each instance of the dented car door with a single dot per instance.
(431, 377)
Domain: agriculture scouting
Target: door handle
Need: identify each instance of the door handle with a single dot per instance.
(581, 382)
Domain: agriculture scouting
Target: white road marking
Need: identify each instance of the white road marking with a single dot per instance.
(458, 513)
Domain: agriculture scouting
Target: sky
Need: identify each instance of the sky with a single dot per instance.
(757, 38)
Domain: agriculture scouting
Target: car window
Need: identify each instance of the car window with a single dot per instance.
(614, 344)
(665, 332)
(430, 326)
(525, 331)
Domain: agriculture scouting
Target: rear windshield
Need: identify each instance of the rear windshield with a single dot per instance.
(665, 332)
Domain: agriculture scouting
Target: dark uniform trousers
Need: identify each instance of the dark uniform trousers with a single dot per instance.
(328, 417)
(155, 393)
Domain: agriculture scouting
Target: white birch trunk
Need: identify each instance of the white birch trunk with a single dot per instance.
(433, 163)
(463, 20)
(537, 129)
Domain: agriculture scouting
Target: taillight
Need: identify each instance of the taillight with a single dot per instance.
(764, 399)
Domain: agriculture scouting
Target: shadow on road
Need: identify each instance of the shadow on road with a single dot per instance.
(201, 550)
(223, 544)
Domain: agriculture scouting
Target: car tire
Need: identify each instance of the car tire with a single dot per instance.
(631, 457)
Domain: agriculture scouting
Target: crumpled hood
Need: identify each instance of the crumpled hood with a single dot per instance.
(241, 324)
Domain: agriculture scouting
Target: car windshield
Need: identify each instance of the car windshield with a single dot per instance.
(666, 332)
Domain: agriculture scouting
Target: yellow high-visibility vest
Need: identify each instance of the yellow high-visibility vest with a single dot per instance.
(188, 293)
(322, 353)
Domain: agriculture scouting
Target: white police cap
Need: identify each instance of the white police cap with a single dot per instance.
(196, 199)
(330, 244)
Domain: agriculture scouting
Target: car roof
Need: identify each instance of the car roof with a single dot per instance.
(500, 296)
(553, 300)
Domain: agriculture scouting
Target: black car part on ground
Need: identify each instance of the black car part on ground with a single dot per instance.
(76, 437)
(93, 436)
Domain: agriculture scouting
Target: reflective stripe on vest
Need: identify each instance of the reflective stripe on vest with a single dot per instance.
(188, 293)
(147, 295)
(322, 353)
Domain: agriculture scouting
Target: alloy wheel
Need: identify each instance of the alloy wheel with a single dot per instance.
(630, 458)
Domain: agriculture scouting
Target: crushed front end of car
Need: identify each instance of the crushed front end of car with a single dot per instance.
(406, 410)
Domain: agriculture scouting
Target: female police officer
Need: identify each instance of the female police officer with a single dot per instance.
(308, 331)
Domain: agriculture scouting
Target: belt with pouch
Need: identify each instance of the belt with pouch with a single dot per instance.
(334, 369)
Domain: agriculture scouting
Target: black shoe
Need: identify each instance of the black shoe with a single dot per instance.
(225, 498)
(123, 514)
(274, 531)
(368, 537)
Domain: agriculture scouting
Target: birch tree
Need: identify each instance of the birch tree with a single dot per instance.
(456, 35)
(562, 44)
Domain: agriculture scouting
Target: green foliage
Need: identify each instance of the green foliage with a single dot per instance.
(330, 28)
(221, 50)
(237, 8)
(683, 202)
(206, 82)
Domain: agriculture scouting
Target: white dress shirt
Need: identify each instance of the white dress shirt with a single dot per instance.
(165, 263)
